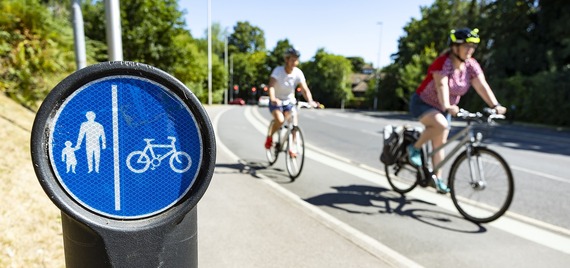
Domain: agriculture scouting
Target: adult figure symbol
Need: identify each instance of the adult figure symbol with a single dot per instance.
(94, 135)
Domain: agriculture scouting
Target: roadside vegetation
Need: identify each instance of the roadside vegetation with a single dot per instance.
(524, 51)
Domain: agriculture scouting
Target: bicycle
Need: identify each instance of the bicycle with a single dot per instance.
(481, 181)
(140, 161)
(288, 139)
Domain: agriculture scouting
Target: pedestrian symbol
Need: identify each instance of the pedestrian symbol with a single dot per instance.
(94, 135)
(137, 147)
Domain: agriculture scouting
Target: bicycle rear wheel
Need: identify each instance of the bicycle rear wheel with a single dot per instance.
(402, 176)
(485, 194)
(295, 155)
(273, 151)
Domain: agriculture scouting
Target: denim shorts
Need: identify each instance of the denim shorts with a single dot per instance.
(283, 108)
(418, 108)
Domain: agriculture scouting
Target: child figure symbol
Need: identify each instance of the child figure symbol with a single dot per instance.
(68, 156)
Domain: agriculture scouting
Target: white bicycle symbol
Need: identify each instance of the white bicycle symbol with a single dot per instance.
(140, 161)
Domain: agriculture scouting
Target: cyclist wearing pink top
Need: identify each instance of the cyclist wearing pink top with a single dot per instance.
(448, 78)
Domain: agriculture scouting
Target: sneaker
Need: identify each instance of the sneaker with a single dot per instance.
(414, 156)
(268, 142)
(440, 186)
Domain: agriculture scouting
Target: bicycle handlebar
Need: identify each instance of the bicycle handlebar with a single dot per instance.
(488, 113)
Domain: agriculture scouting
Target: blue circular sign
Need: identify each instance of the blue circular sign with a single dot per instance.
(125, 147)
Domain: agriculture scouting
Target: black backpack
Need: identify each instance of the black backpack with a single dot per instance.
(396, 139)
(393, 138)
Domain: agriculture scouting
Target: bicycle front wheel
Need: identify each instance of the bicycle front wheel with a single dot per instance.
(402, 176)
(482, 185)
(295, 155)
(273, 151)
(180, 162)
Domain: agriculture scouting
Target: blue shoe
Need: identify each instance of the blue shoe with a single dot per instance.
(414, 155)
(440, 186)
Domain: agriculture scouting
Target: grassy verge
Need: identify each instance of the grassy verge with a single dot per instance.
(30, 224)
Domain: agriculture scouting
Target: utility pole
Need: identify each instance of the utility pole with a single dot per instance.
(79, 35)
(378, 69)
(226, 67)
(209, 52)
(113, 24)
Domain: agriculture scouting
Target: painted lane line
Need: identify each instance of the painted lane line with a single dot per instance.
(353, 235)
(531, 229)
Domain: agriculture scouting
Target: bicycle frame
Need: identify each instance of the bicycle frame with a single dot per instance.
(150, 147)
(475, 170)
(465, 136)
(288, 124)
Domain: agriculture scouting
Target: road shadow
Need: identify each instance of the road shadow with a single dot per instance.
(359, 199)
(255, 168)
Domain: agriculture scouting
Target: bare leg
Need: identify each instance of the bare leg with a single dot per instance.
(435, 131)
(278, 119)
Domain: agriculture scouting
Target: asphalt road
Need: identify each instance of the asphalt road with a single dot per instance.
(343, 177)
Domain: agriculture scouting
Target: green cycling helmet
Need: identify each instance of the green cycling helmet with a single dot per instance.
(464, 35)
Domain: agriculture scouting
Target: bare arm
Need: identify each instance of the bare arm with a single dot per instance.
(442, 88)
(307, 93)
(272, 99)
(484, 90)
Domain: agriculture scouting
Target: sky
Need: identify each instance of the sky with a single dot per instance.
(352, 28)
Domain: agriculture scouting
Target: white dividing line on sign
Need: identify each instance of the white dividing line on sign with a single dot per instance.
(116, 160)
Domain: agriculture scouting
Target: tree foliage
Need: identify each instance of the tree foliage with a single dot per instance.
(328, 77)
(275, 57)
(153, 33)
(34, 50)
(357, 64)
(524, 51)
(247, 38)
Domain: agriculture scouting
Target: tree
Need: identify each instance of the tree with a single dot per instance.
(552, 27)
(421, 44)
(246, 38)
(34, 50)
(148, 29)
(218, 40)
(510, 48)
(250, 71)
(357, 64)
(275, 57)
(328, 77)
(154, 34)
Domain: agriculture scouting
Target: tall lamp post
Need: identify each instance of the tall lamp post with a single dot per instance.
(209, 52)
(378, 69)
(226, 67)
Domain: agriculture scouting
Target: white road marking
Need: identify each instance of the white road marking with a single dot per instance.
(519, 225)
(357, 237)
(541, 174)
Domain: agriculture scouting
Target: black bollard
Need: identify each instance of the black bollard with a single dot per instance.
(125, 151)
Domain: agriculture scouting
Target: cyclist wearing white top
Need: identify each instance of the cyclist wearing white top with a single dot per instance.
(282, 84)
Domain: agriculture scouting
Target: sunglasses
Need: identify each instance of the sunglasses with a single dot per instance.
(470, 45)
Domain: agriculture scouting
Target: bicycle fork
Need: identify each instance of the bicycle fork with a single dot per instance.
(475, 169)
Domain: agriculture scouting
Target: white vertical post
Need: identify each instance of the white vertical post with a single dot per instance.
(226, 68)
(78, 34)
(209, 52)
(378, 69)
(113, 25)
(231, 77)
(116, 159)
